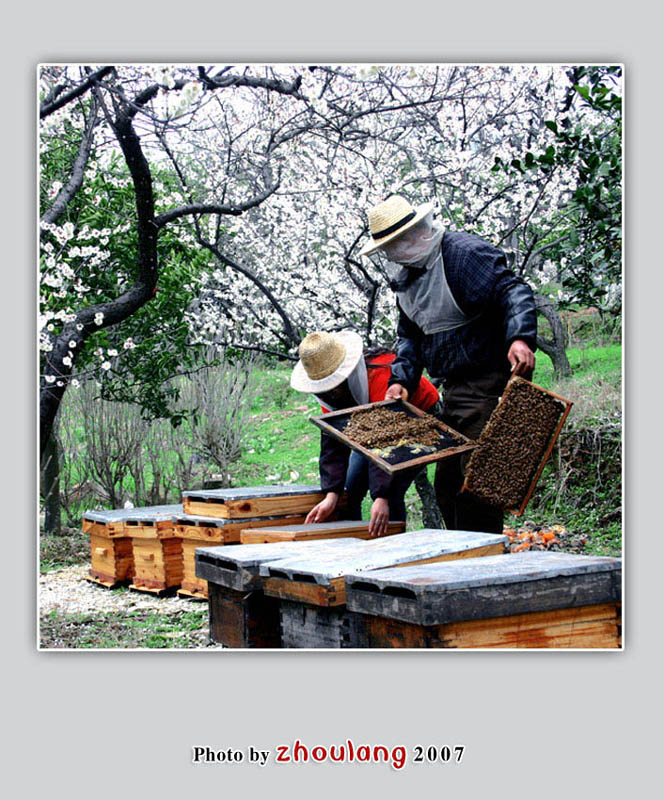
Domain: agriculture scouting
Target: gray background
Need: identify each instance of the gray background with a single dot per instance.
(106, 724)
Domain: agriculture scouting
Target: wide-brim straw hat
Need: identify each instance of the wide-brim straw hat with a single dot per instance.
(326, 359)
(389, 219)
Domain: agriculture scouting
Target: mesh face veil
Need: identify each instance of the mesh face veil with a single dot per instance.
(416, 244)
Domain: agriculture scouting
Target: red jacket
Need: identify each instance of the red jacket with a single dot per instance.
(379, 372)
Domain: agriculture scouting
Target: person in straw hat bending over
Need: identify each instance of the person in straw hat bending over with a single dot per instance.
(466, 318)
(335, 370)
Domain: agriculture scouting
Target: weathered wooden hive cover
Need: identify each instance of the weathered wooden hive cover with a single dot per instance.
(250, 492)
(147, 514)
(238, 566)
(481, 588)
(193, 521)
(321, 567)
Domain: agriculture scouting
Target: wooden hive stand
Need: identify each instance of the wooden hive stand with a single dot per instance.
(156, 547)
(522, 600)
(312, 589)
(241, 615)
(111, 555)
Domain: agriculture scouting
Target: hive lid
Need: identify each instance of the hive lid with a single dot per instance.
(250, 492)
(430, 594)
(237, 566)
(147, 513)
(323, 527)
(220, 522)
(373, 554)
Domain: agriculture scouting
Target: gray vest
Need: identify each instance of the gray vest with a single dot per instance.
(428, 300)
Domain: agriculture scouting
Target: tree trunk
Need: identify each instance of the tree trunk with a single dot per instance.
(431, 516)
(50, 488)
(555, 348)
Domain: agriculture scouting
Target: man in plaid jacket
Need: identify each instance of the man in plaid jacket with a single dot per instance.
(466, 318)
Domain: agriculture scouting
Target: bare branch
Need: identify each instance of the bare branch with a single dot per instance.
(57, 99)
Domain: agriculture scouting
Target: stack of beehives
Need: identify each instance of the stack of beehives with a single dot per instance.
(423, 589)
(135, 544)
(154, 547)
(218, 516)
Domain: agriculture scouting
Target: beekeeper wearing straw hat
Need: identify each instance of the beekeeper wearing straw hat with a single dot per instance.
(340, 374)
(466, 318)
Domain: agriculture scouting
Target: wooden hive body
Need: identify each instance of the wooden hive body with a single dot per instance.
(312, 587)
(241, 615)
(111, 560)
(319, 578)
(195, 532)
(529, 600)
(111, 552)
(156, 547)
(254, 501)
(585, 627)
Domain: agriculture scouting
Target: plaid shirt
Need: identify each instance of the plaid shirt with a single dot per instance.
(484, 288)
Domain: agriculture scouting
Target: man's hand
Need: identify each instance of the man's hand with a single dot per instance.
(521, 357)
(380, 516)
(321, 511)
(396, 391)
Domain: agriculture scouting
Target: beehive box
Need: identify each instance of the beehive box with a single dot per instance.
(253, 501)
(195, 532)
(515, 444)
(111, 556)
(317, 578)
(111, 552)
(156, 547)
(398, 456)
(337, 529)
(523, 600)
(312, 587)
(240, 614)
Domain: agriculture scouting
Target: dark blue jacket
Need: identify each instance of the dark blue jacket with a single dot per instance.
(482, 284)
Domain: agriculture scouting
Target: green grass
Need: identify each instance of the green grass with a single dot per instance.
(147, 629)
(588, 365)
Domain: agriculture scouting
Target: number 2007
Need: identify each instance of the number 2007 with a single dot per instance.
(432, 754)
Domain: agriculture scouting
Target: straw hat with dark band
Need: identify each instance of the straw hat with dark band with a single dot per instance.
(326, 359)
(390, 219)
